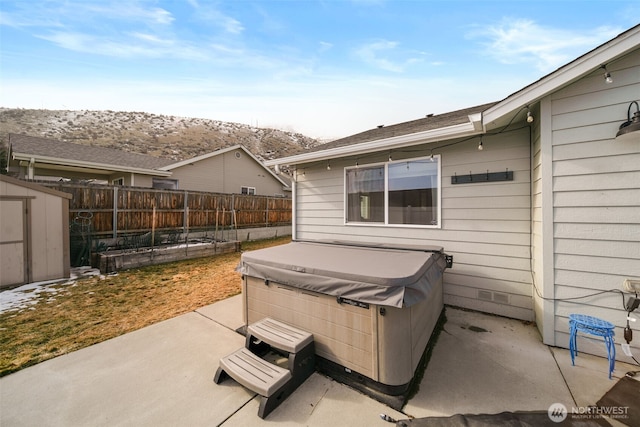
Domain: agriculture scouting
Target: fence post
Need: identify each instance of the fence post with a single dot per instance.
(115, 212)
(267, 222)
(153, 230)
(186, 240)
(233, 209)
(233, 214)
(185, 214)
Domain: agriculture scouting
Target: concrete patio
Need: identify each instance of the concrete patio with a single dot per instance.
(162, 375)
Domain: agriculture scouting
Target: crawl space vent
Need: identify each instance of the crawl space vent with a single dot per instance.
(498, 297)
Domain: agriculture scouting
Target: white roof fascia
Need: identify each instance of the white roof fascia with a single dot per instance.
(476, 121)
(576, 69)
(88, 165)
(264, 167)
(425, 137)
(222, 151)
(203, 157)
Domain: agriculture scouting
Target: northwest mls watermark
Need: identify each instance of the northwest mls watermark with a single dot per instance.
(558, 412)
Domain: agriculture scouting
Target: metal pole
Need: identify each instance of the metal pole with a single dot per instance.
(187, 239)
(235, 222)
(215, 237)
(184, 215)
(115, 212)
(153, 230)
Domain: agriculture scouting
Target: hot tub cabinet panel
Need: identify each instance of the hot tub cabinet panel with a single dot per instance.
(342, 333)
(386, 348)
(401, 327)
(381, 342)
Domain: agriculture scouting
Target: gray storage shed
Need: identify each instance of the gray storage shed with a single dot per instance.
(34, 233)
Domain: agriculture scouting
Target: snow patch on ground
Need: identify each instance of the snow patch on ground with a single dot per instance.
(25, 296)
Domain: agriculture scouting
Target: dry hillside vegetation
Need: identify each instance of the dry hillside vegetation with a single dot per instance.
(172, 137)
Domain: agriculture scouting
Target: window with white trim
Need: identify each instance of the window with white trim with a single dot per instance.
(164, 183)
(400, 193)
(251, 191)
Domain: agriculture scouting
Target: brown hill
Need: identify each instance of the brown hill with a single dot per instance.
(171, 137)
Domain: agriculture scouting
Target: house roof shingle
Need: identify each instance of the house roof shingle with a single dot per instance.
(414, 126)
(46, 147)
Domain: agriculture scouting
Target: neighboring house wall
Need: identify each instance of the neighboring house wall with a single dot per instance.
(134, 180)
(485, 226)
(227, 173)
(43, 243)
(596, 195)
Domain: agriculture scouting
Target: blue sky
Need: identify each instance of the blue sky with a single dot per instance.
(326, 68)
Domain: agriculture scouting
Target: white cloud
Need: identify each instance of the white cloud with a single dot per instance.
(371, 54)
(524, 41)
(132, 11)
(119, 28)
(161, 16)
(229, 24)
(324, 46)
(387, 55)
(138, 45)
(24, 20)
(151, 38)
(216, 18)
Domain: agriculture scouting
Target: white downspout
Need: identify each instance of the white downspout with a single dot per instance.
(293, 206)
(31, 168)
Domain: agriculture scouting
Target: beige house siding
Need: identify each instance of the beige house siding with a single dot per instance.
(131, 179)
(141, 180)
(485, 226)
(47, 229)
(596, 196)
(227, 173)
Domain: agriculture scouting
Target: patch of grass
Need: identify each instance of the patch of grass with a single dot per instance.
(96, 309)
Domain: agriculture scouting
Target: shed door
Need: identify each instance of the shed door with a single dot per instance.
(13, 242)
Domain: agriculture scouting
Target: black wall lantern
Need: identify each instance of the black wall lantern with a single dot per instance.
(630, 130)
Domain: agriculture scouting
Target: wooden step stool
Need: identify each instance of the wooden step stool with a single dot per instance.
(270, 381)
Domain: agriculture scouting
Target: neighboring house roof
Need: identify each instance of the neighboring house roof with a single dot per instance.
(470, 121)
(219, 152)
(67, 154)
(51, 151)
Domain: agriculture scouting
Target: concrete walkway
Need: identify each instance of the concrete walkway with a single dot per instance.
(162, 375)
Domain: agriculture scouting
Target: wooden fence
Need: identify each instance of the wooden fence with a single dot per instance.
(114, 211)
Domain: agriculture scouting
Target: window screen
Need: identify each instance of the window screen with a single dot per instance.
(396, 193)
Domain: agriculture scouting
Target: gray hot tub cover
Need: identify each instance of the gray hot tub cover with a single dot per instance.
(387, 276)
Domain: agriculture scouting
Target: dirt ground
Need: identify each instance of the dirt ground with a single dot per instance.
(95, 309)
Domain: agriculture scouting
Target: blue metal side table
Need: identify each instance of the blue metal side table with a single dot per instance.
(593, 326)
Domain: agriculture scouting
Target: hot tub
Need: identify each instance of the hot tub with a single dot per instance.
(371, 309)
